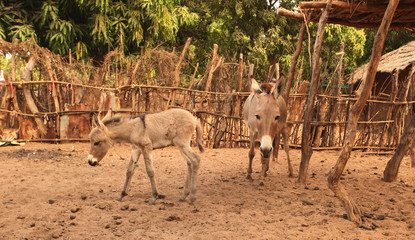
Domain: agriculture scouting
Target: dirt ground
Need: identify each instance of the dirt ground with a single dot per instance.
(49, 191)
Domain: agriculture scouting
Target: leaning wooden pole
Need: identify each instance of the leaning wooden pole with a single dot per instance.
(392, 168)
(306, 150)
(353, 212)
(297, 52)
(176, 82)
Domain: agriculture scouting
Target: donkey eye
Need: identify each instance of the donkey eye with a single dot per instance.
(276, 118)
(257, 117)
(96, 143)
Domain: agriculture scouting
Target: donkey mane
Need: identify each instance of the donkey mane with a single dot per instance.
(120, 119)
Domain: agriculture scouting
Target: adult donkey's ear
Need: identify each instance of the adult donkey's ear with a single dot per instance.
(107, 116)
(255, 86)
(279, 86)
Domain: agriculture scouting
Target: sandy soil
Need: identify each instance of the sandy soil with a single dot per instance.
(49, 191)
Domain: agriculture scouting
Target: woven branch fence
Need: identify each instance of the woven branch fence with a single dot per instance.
(54, 100)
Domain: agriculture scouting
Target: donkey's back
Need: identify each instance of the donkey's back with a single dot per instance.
(171, 127)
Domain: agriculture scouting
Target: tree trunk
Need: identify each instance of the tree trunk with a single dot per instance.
(26, 75)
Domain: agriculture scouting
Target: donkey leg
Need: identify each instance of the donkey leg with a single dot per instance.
(188, 179)
(135, 155)
(265, 166)
(251, 155)
(195, 163)
(148, 160)
(286, 148)
(276, 145)
(192, 163)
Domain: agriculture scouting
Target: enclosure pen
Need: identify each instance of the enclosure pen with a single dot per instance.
(52, 99)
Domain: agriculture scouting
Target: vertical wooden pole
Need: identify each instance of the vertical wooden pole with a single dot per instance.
(353, 212)
(306, 150)
(291, 72)
(188, 93)
(239, 89)
(334, 117)
(384, 139)
(412, 154)
(212, 68)
(72, 87)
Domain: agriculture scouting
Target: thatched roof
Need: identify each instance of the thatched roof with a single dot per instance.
(398, 59)
(355, 13)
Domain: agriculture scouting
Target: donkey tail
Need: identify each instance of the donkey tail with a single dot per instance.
(199, 136)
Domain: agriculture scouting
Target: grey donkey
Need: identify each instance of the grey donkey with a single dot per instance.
(145, 133)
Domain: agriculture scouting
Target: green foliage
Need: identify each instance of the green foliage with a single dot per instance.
(91, 28)
(353, 39)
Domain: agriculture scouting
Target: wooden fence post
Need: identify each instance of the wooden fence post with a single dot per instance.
(296, 54)
(306, 150)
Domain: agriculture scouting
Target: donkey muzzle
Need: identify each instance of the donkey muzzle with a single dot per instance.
(92, 161)
(266, 146)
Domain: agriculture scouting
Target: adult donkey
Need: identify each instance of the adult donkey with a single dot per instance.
(145, 133)
(265, 113)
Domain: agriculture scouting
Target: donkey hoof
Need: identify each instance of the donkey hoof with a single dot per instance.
(261, 184)
(121, 196)
(151, 201)
(249, 179)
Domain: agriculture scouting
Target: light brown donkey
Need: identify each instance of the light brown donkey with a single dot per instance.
(145, 133)
(265, 113)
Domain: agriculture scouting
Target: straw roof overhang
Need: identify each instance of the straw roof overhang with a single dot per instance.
(398, 59)
(355, 13)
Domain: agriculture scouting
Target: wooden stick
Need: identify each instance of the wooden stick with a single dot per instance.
(179, 64)
(306, 150)
(239, 88)
(187, 96)
(212, 68)
(353, 212)
(392, 168)
(296, 54)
